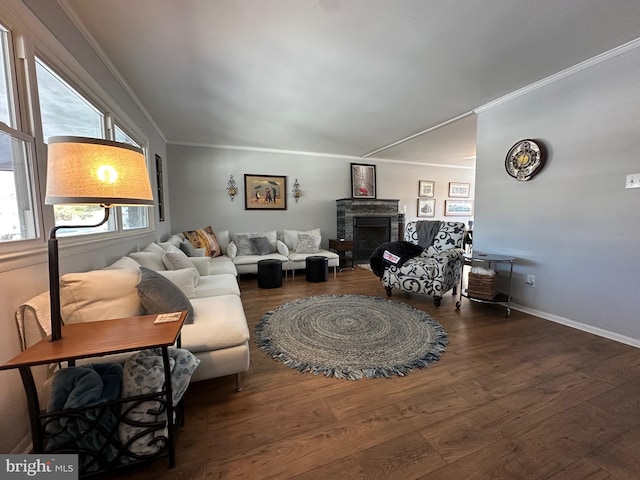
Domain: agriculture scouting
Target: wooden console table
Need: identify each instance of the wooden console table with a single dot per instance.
(96, 339)
(341, 247)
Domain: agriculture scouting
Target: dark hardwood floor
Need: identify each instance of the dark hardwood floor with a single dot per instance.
(517, 398)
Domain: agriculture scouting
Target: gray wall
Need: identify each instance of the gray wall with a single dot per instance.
(573, 226)
(22, 278)
(198, 179)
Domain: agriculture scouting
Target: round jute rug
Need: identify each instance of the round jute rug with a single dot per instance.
(351, 336)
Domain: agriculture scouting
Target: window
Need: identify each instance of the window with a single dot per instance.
(17, 214)
(65, 111)
(132, 217)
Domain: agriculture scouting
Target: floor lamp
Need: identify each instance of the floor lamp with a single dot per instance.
(90, 171)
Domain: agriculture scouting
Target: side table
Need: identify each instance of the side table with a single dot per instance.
(341, 247)
(488, 260)
(96, 339)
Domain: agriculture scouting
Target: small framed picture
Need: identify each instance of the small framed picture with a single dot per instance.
(363, 180)
(427, 208)
(459, 190)
(426, 188)
(265, 192)
(458, 208)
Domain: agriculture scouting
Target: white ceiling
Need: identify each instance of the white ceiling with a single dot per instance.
(344, 77)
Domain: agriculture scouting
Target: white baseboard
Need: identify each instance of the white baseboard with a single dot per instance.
(23, 447)
(634, 342)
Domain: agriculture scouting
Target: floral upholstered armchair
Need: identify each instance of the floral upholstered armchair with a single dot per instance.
(437, 269)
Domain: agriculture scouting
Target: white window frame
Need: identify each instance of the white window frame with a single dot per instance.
(28, 38)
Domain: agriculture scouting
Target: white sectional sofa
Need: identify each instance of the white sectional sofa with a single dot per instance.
(241, 249)
(218, 336)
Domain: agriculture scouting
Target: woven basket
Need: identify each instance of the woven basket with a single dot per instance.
(482, 286)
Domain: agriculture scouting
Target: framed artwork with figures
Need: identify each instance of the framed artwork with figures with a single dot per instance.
(265, 192)
(363, 180)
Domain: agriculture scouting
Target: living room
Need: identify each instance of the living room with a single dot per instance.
(573, 226)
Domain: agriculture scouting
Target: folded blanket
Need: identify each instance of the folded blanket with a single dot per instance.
(427, 231)
(144, 431)
(392, 253)
(92, 430)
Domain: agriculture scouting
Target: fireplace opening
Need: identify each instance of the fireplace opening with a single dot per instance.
(368, 233)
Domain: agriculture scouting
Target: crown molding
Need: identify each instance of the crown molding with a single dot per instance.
(562, 74)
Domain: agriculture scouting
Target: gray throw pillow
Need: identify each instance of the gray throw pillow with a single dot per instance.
(191, 251)
(159, 295)
(262, 245)
(245, 245)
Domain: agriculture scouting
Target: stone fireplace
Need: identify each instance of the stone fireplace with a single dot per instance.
(368, 223)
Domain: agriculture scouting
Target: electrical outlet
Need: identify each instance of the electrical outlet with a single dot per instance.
(633, 180)
(531, 280)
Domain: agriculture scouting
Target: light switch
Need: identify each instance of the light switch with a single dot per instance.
(633, 180)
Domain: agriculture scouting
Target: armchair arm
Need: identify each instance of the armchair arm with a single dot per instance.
(450, 266)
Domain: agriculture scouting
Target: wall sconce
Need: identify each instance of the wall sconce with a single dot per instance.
(232, 188)
(297, 192)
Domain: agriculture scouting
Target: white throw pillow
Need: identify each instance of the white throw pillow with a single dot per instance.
(291, 237)
(282, 248)
(184, 279)
(232, 250)
(99, 295)
(176, 259)
(124, 263)
(308, 243)
(150, 260)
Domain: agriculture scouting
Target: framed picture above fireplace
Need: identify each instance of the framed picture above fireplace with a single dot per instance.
(363, 180)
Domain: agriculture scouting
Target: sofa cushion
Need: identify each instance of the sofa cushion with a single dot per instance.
(308, 243)
(159, 295)
(151, 260)
(204, 238)
(219, 323)
(221, 284)
(271, 236)
(99, 295)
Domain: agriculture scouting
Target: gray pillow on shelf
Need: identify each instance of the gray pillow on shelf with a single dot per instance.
(160, 295)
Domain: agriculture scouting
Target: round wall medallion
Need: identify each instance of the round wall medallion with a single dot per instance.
(524, 160)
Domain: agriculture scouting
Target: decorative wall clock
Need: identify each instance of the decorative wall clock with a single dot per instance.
(524, 160)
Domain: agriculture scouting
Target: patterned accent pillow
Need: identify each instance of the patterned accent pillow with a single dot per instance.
(204, 238)
(308, 243)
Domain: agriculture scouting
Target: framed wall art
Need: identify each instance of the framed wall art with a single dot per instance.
(427, 207)
(363, 180)
(460, 190)
(265, 192)
(426, 188)
(459, 208)
(160, 188)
